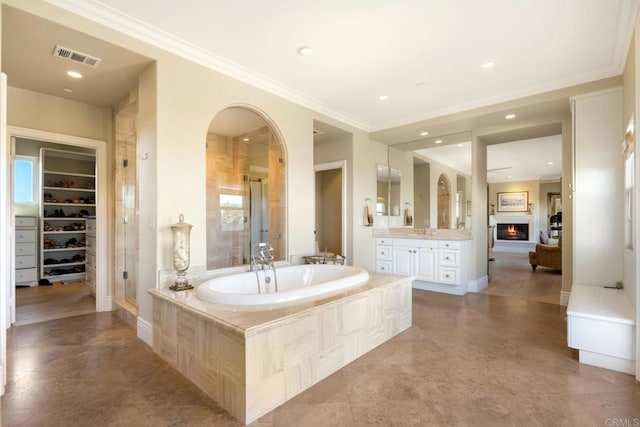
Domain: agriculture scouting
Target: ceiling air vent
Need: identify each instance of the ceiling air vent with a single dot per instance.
(75, 56)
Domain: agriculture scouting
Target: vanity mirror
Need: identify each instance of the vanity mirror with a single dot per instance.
(388, 188)
(437, 179)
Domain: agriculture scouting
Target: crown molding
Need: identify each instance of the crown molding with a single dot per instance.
(132, 27)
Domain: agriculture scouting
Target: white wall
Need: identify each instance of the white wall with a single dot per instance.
(598, 199)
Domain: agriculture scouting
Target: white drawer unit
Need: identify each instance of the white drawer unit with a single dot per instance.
(25, 236)
(449, 258)
(26, 222)
(450, 276)
(26, 250)
(384, 255)
(26, 261)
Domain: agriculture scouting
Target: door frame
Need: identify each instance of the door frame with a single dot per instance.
(342, 165)
(104, 302)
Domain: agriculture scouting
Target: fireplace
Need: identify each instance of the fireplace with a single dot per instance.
(514, 233)
(509, 231)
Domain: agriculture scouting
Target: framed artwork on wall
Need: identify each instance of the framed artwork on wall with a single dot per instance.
(513, 201)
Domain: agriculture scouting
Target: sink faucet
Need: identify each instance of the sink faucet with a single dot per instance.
(264, 258)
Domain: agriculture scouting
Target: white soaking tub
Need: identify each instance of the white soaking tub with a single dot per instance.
(295, 282)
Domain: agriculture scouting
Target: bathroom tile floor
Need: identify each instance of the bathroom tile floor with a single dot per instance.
(480, 360)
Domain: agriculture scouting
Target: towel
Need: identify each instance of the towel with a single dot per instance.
(408, 219)
(367, 219)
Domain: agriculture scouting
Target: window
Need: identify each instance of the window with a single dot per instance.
(25, 180)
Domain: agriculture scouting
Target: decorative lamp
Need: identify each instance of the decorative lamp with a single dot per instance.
(181, 254)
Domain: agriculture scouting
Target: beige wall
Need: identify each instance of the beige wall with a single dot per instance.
(52, 114)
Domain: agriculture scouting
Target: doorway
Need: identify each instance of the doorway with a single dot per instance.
(64, 201)
(330, 198)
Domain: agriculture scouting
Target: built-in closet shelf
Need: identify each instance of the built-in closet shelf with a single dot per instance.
(86, 190)
(66, 232)
(82, 248)
(66, 175)
(68, 204)
(83, 175)
(68, 264)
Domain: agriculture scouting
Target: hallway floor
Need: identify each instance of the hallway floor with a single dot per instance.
(41, 303)
(478, 360)
(510, 275)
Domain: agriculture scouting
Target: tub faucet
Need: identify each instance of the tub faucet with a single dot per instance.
(264, 258)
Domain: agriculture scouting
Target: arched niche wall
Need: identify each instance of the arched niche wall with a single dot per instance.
(245, 188)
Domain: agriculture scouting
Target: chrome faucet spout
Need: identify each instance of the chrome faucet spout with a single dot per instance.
(264, 258)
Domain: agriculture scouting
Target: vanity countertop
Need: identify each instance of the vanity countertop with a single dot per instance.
(430, 234)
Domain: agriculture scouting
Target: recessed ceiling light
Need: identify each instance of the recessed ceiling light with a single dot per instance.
(420, 84)
(488, 65)
(424, 133)
(438, 141)
(459, 145)
(549, 163)
(510, 116)
(246, 139)
(74, 74)
(305, 51)
(383, 97)
(68, 90)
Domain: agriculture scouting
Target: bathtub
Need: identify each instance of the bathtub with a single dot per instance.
(295, 283)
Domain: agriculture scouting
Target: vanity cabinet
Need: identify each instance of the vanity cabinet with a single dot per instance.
(436, 265)
(415, 258)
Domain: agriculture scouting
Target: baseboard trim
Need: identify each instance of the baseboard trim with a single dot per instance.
(145, 331)
(107, 304)
(564, 298)
(478, 285)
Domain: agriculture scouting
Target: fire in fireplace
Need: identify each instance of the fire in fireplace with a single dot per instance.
(512, 232)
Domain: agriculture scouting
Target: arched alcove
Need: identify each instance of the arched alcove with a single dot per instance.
(245, 187)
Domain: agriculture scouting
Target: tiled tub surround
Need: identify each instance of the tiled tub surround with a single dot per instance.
(250, 361)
